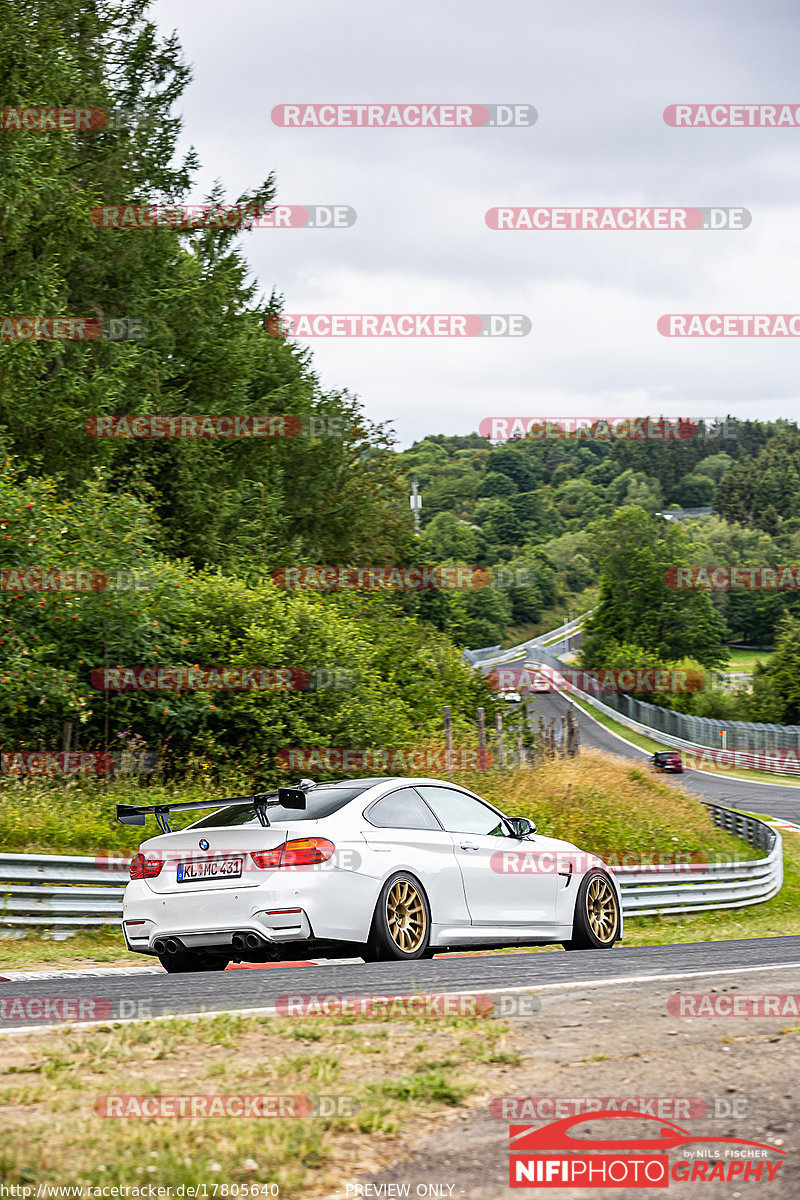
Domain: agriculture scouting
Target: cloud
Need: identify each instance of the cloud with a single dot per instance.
(600, 77)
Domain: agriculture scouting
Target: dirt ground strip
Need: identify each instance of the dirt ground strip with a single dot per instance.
(622, 1041)
(392, 1071)
(430, 1090)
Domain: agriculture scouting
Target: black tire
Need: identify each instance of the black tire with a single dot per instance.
(192, 960)
(596, 923)
(401, 925)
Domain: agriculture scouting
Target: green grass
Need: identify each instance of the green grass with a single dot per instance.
(49, 1085)
(744, 659)
(646, 743)
(777, 917)
(103, 946)
(605, 805)
(78, 816)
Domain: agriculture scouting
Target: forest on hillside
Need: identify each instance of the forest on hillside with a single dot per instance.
(187, 533)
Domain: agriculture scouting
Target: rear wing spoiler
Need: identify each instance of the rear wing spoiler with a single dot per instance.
(287, 797)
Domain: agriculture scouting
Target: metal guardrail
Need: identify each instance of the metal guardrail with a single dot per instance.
(775, 762)
(748, 736)
(471, 657)
(700, 887)
(59, 891)
(562, 638)
(683, 731)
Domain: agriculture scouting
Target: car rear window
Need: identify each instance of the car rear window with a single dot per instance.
(320, 802)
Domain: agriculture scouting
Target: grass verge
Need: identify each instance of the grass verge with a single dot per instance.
(646, 743)
(389, 1073)
(603, 804)
(745, 660)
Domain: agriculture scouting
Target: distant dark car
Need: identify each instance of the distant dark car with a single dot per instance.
(667, 760)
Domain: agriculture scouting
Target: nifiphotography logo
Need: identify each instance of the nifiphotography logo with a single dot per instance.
(553, 1156)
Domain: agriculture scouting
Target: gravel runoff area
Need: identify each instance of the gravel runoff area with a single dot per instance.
(622, 1040)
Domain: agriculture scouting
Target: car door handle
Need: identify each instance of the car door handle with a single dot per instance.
(469, 846)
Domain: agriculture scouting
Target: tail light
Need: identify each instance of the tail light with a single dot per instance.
(145, 868)
(300, 852)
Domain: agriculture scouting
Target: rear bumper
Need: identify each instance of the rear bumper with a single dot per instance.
(332, 906)
(273, 930)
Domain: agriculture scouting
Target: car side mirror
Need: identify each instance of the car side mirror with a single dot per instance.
(521, 826)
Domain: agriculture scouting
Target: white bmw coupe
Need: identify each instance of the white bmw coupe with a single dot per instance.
(390, 868)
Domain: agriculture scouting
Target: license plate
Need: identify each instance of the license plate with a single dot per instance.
(210, 868)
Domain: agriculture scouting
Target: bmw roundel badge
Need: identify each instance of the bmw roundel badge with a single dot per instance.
(203, 844)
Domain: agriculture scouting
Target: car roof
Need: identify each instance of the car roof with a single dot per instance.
(371, 782)
(368, 781)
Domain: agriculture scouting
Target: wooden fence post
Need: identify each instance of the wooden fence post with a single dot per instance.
(448, 737)
(501, 756)
(482, 760)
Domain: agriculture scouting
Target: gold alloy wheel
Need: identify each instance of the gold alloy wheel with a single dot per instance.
(601, 909)
(405, 916)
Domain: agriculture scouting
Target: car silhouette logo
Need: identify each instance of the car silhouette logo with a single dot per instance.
(203, 844)
(556, 1136)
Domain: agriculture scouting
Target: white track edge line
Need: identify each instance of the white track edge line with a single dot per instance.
(271, 1011)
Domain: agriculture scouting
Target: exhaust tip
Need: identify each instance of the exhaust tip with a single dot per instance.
(159, 946)
(237, 941)
(172, 946)
(252, 941)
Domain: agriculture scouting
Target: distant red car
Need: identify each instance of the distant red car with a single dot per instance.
(667, 760)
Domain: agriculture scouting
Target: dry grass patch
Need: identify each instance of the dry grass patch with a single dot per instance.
(394, 1072)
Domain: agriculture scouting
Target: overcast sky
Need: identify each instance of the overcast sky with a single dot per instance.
(599, 77)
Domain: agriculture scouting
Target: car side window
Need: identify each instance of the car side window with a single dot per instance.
(401, 810)
(460, 813)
